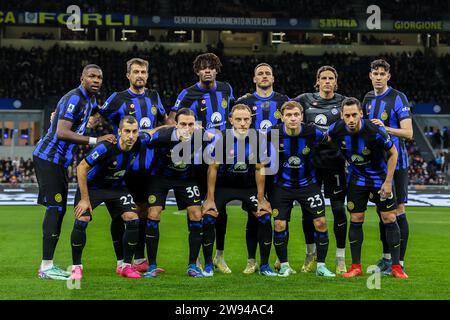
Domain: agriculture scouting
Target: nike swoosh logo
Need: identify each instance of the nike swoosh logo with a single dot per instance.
(340, 225)
(396, 246)
(389, 206)
(132, 244)
(203, 109)
(195, 201)
(76, 245)
(354, 241)
(132, 112)
(278, 244)
(267, 243)
(323, 244)
(319, 212)
(337, 192)
(207, 245)
(147, 236)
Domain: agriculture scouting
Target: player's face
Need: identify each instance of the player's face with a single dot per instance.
(129, 134)
(292, 118)
(241, 120)
(92, 80)
(326, 81)
(207, 74)
(263, 77)
(186, 126)
(352, 117)
(138, 76)
(380, 78)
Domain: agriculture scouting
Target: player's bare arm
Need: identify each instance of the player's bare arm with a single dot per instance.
(64, 132)
(405, 131)
(386, 188)
(263, 204)
(209, 204)
(84, 204)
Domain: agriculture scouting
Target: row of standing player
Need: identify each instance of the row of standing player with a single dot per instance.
(210, 101)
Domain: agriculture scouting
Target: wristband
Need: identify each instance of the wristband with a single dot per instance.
(92, 141)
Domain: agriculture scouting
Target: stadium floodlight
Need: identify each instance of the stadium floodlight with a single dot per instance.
(180, 32)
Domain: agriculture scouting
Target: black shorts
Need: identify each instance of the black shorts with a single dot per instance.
(310, 199)
(358, 196)
(334, 182)
(401, 185)
(201, 177)
(186, 192)
(268, 186)
(53, 183)
(117, 201)
(138, 183)
(248, 196)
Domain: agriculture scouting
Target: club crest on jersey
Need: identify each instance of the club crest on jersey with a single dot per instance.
(154, 110)
(293, 162)
(144, 123)
(94, 155)
(306, 150)
(265, 124)
(277, 114)
(334, 111)
(240, 166)
(152, 199)
(70, 107)
(224, 103)
(58, 197)
(321, 119)
(366, 151)
(275, 213)
(216, 117)
(384, 115)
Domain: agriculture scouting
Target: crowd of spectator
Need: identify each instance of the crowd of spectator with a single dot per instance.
(398, 9)
(421, 172)
(17, 170)
(39, 73)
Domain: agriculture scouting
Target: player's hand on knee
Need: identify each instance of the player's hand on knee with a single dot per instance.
(108, 137)
(82, 207)
(263, 208)
(209, 207)
(377, 122)
(386, 190)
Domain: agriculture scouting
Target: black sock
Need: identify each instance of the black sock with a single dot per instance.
(308, 230)
(221, 227)
(140, 248)
(383, 234)
(152, 240)
(78, 240)
(280, 243)
(209, 234)
(321, 245)
(340, 222)
(51, 230)
(393, 240)
(130, 239)
(264, 236)
(251, 235)
(117, 229)
(404, 234)
(356, 238)
(195, 240)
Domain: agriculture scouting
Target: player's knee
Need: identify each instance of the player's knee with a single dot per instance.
(84, 219)
(265, 218)
(388, 217)
(154, 213)
(209, 219)
(357, 217)
(128, 216)
(194, 213)
(400, 208)
(320, 224)
(280, 225)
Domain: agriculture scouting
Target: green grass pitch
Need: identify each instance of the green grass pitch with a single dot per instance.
(427, 263)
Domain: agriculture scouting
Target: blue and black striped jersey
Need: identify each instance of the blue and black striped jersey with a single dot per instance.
(146, 108)
(391, 108)
(109, 163)
(237, 159)
(265, 111)
(170, 160)
(365, 152)
(211, 107)
(76, 106)
(295, 156)
(322, 113)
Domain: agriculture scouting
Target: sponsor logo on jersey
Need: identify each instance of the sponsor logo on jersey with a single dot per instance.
(321, 119)
(366, 151)
(265, 124)
(216, 117)
(120, 174)
(357, 159)
(293, 162)
(144, 123)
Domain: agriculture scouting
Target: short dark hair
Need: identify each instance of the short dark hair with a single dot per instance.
(127, 119)
(138, 61)
(207, 60)
(263, 64)
(184, 112)
(91, 66)
(349, 101)
(380, 63)
(240, 106)
(289, 105)
(322, 69)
